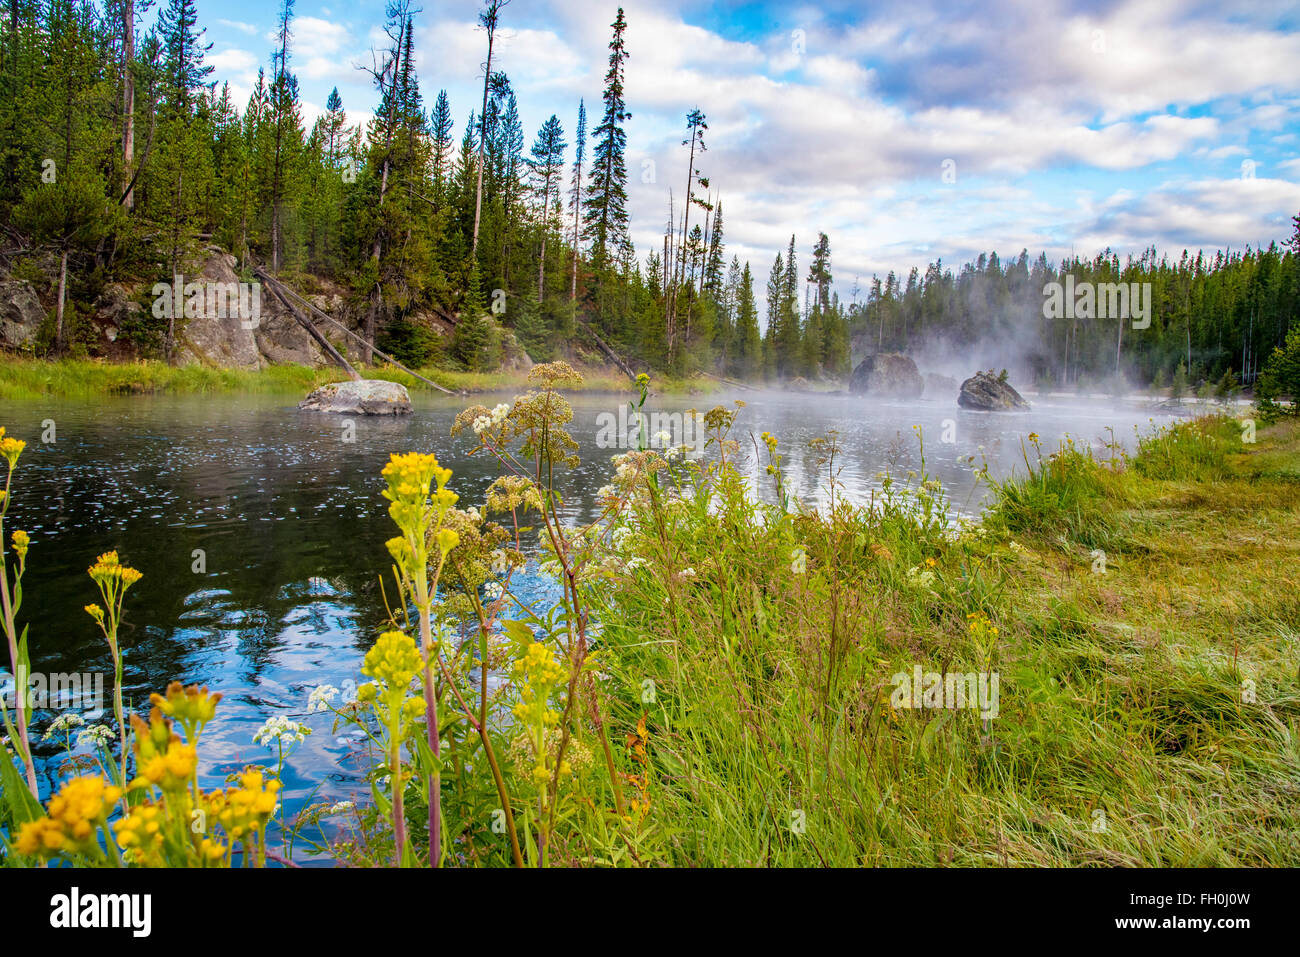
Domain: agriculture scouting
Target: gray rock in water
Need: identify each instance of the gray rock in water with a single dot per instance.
(21, 313)
(362, 397)
(887, 373)
(987, 393)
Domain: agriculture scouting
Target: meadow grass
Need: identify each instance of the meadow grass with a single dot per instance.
(88, 378)
(1148, 711)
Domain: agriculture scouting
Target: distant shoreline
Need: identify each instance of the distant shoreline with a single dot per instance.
(22, 378)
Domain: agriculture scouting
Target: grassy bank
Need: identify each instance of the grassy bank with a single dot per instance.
(88, 379)
(1144, 623)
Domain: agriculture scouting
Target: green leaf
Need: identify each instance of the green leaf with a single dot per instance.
(22, 806)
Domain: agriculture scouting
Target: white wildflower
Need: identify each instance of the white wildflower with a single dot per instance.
(320, 698)
(280, 731)
(94, 736)
(660, 439)
(500, 561)
(499, 413)
(492, 591)
(63, 724)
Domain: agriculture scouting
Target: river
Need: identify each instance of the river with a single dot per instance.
(260, 530)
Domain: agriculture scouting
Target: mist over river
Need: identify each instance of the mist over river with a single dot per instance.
(292, 526)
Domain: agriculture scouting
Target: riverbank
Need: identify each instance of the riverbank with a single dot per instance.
(88, 379)
(1141, 623)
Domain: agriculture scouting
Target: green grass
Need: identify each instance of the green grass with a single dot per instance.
(88, 379)
(1148, 712)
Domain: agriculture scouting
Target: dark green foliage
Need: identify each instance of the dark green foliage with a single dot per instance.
(1281, 378)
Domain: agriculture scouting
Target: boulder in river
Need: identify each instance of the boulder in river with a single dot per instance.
(989, 393)
(359, 397)
(887, 373)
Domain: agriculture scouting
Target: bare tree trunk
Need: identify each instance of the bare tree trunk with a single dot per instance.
(58, 315)
(489, 20)
(1119, 346)
(577, 206)
(686, 217)
(128, 100)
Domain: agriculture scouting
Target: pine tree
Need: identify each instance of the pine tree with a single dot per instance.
(575, 195)
(749, 346)
(605, 207)
(443, 146)
(712, 280)
(488, 19)
(546, 166)
(185, 50)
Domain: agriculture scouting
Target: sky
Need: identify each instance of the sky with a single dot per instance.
(906, 130)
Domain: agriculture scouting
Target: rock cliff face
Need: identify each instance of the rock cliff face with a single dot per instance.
(887, 373)
(230, 330)
(21, 314)
(986, 392)
(255, 332)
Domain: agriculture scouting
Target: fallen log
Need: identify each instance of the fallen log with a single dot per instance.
(610, 353)
(328, 347)
(283, 292)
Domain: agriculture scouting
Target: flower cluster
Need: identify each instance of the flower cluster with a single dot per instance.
(538, 674)
(491, 419)
(321, 698)
(162, 760)
(245, 810)
(75, 813)
(192, 706)
(394, 662)
(63, 724)
(108, 571)
(280, 732)
(140, 835)
(11, 448)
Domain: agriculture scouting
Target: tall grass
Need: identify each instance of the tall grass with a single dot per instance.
(1139, 723)
(89, 379)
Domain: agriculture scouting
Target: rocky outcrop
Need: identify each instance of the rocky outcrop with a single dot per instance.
(251, 329)
(887, 373)
(221, 336)
(21, 314)
(989, 393)
(360, 397)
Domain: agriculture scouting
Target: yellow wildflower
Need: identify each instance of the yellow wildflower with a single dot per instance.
(10, 449)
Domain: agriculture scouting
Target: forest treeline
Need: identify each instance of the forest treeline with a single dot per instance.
(118, 151)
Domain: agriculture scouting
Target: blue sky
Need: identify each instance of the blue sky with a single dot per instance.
(1065, 126)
